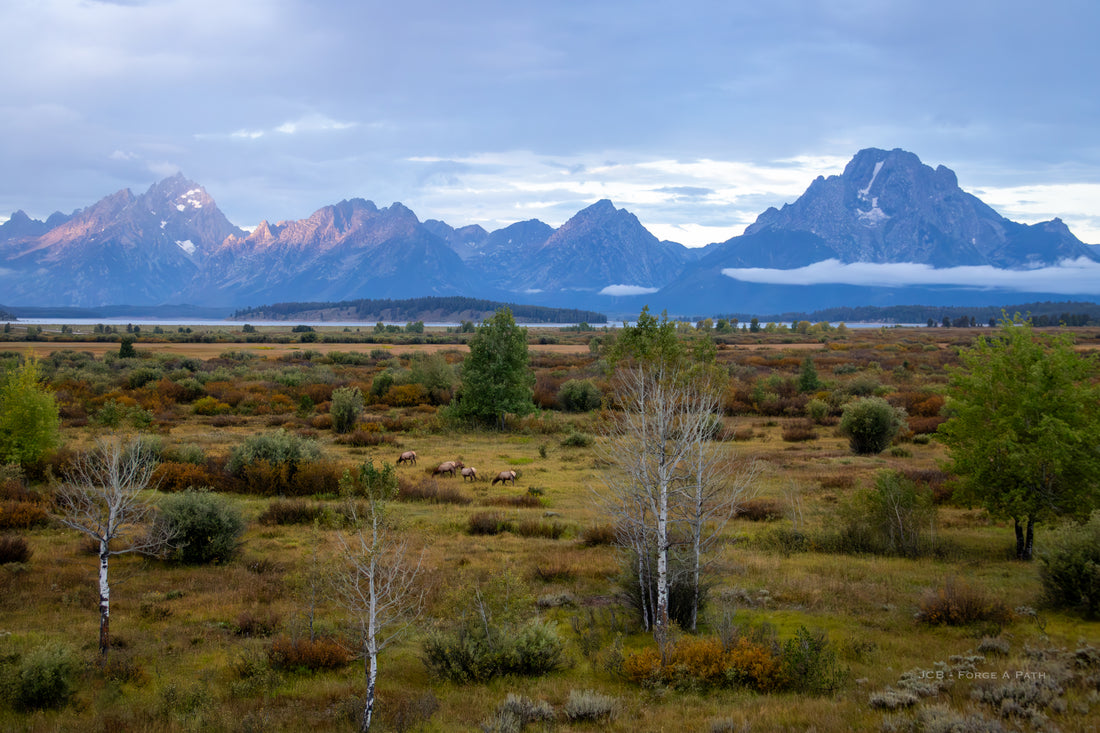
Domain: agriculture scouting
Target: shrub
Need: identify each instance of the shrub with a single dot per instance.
(297, 655)
(796, 432)
(580, 395)
(761, 510)
(589, 705)
(817, 410)
(207, 528)
(956, 604)
(291, 511)
(870, 425)
(347, 405)
(45, 678)
(1069, 567)
(577, 440)
(810, 665)
(896, 517)
(277, 448)
(754, 666)
(472, 653)
(598, 534)
(22, 515)
(546, 530)
(14, 548)
(680, 593)
(486, 523)
(250, 623)
(429, 491)
(171, 476)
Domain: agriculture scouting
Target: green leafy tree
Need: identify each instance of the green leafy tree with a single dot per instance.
(870, 424)
(347, 405)
(496, 378)
(808, 381)
(1024, 429)
(30, 425)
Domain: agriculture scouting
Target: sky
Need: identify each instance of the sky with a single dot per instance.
(695, 115)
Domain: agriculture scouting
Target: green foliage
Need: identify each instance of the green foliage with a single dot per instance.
(870, 424)
(491, 635)
(810, 664)
(347, 405)
(30, 425)
(1024, 425)
(577, 440)
(46, 678)
(496, 379)
(126, 348)
(277, 448)
(1069, 567)
(896, 517)
(206, 527)
(579, 395)
(376, 484)
(641, 595)
(808, 380)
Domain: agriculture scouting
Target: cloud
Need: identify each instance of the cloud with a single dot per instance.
(627, 290)
(1068, 277)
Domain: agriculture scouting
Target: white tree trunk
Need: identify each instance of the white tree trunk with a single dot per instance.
(104, 602)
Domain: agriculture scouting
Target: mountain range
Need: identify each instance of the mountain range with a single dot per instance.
(173, 245)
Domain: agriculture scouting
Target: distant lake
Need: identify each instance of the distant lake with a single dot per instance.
(144, 321)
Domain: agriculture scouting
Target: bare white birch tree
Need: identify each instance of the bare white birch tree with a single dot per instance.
(377, 585)
(715, 484)
(101, 496)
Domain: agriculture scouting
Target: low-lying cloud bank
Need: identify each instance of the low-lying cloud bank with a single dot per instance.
(1068, 277)
(627, 290)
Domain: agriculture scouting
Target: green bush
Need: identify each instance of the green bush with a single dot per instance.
(277, 449)
(870, 424)
(577, 440)
(1069, 567)
(471, 653)
(45, 678)
(347, 405)
(810, 664)
(896, 517)
(579, 395)
(206, 527)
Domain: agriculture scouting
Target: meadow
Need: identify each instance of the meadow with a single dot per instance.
(195, 647)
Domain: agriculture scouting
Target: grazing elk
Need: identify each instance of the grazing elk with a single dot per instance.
(449, 467)
(469, 472)
(505, 476)
(408, 456)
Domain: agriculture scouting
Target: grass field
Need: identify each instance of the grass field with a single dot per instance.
(191, 643)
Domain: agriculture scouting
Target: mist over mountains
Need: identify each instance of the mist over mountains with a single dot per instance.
(889, 230)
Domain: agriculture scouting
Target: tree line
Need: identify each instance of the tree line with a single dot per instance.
(412, 309)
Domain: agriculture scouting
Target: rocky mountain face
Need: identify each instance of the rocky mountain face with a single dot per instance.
(123, 249)
(887, 206)
(172, 245)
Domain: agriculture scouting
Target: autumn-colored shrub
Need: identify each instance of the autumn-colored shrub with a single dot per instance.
(256, 623)
(598, 534)
(22, 515)
(430, 491)
(957, 604)
(210, 406)
(761, 510)
(755, 666)
(483, 523)
(291, 511)
(799, 431)
(406, 395)
(171, 476)
(925, 425)
(315, 478)
(546, 530)
(296, 655)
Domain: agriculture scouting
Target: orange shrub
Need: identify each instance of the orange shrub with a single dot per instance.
(642, 667)
(698, 660)
(305, 655)
(754, 666)
(407, 395)
(170, 476)
(21, 515)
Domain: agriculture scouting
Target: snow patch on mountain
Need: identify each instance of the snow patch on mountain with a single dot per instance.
(187, 246)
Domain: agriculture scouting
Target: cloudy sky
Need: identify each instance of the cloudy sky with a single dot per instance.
(694, 115)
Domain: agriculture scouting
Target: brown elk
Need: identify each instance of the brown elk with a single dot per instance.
(469, 472)
(408, 456)
(505, 476)
(447, 467)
